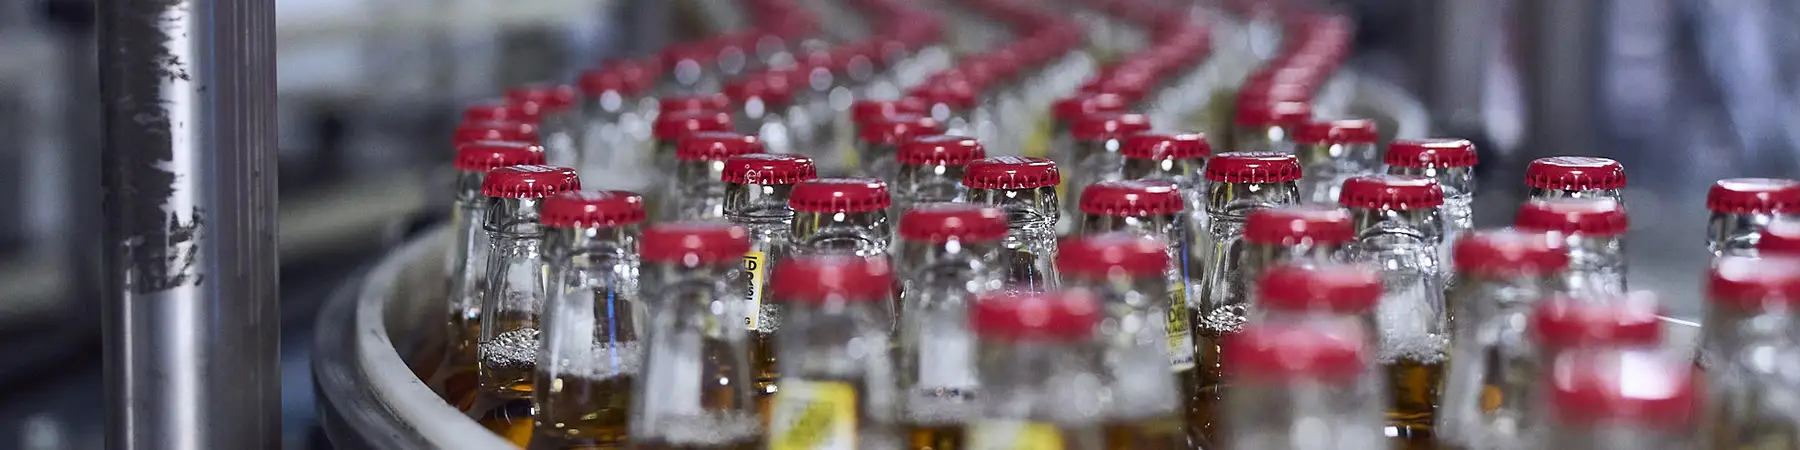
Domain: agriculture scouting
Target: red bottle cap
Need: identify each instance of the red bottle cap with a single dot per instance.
(1289, 226)
(495, 131)
(551, 98)
(769, 168)
(839, 195)
(940, 150)
(769, 89)
(1610, 389)
(1753, 196)
(715, 146)
(529, 181)
(941, 222)
(1781, 237)
(1162, 146)
(1131, 198)
(1567, 322)
(957, 94)
(1069, 109)
(1066, 316)
(695, 243)
(594, 82)
(1754, 284)
(1575, 173)
(1253, 167)
(832, 279)
(672, 126)
(897, 128)
(1602, 217)
(1498, 253)
(864, 111)
(1398, 192)
(482, 156)
(697, 102)
(1106, 254)
(1431, 153)
(674, 54)
(489, 111)
(1108, 125)
(575, 209)
(1284, 352)
(1011, 172)
(1263, 113)
(1332, 288)
(1346, 131)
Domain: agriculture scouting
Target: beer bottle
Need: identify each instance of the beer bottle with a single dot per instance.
(694, 390)
(1780, 238)
(841, 215)
(837, 382)
(1176, 157)
(1741, 207)
(1239, 184)
(1398, 228)
(1300, 235)
(1132, 277)
(1041, 373)
(1096, 158)
(1264, 124)
(1501, 274)
(1302, 385)
(671, 126)
(1452, 163)
(947, 258)
(1331, 151)
(879, 140)
(757, 189)
(454, 374)
(559, 121)
(1619, 401)
(1577, 177)
(764, 105)
(1594, 232)
(589, 356)
(515, 294)
(1026, 189)
(931, 170)
(698, 193)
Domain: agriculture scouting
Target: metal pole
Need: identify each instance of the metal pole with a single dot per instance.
(191, 317)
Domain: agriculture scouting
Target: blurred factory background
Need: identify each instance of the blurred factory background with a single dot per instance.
(1681, 91)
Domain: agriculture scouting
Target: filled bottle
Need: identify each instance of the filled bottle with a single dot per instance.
(1026, 189)
(837, 381)
(1452, 163)
(1096, 158)
(931, 169)
(1131, 273)
(1239, 185)
(1576, 177)
(559, 121)
(516, 291)
(1741, 207)
(1398, 227)
(757, 189)
(694, 389)
(1619, 401)
(879, 140)
(1500, 274)
(454, 374)
(1299, 235)
(1331, 151)
(1302, 385)
(698, 193)
(841, 215)
(589, 357)
(947, 259)
(1593, 230)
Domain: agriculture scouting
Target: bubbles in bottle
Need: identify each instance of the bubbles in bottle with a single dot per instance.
(708, 429)
(516, 349)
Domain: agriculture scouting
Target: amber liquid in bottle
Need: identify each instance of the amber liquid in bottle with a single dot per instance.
(601, 407)
(1415, 387)
(1158, 433)
(503, 403)
(763, 364)
(930, 421)
(1208, 381)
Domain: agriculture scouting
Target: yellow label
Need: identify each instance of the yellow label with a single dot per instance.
(1181, 344)
(813, 415)
(1014, 435)
(1037, 143)
(756, 272)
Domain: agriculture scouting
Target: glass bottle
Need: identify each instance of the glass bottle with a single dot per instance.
(1398, 228)
(1750, 303)
(763, 110)
(504, 130)
(1267, 125)
(611, 104)
(589, 356)
(1577, 177)
(1066, 111)
(1500, 274)
(837, 382)
(1452, 163)
(692, 67)
(1741, 207)
(1131, 273)
(671, 127)
(1300, 234)
(1178, 158)
(879, 140)
(845, 151)
(1026, 189)
(466, 267)
(951, 102)
(1096, 158)
(931, 169)
(1560, 327)
(1302, 385)
(841, 215)
(757, 189)
(947, 257)
(1594, 230)
(699, 190)
(515, 294)
(559, 122)
(1332, 151)
(1239, 185)
(1619, 401)
(694, 390)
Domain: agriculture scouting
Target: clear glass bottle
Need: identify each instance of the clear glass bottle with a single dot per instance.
(845, 150)
(951, 102)
(1741, 207)
(1300, 234)
(1066, 111)
(670, 128)
(1576, 177)
(837, 384)
(692, 67)
(1239, 185)
(1178, 158)
(467, 132)
(757, 189)
(841, 215)
(611, 102)
(1399, 226)
(1131, 273)
(560, 122)
(878, 142)
(589, 356)
(713, 102)
(947, 259)
(763, 110)
(931, 170)
(1026, 189)
(1302, 385)
(1097, 140)
(516, 290)
(1452, 163)
(1267, 125)
(1619, 401)
(1750, 304)
(1594, 230)
(694, 390)
(1500, 274)
(466, 267)
(1560, 327)
(698, 193)
(1332, 151)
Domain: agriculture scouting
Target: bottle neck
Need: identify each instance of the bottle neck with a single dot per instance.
(1458, 182)
(1550, 194)
(1383, 228)
(1732, 333)
(698, 193)
(1234, 201)
(1337, 158)
(861, 233)
(930, 183)
(1168, 227)
(1259, 258)
(1026, 209)
(1185, 173)
(516, 271)
(1735, 234)
(1596, 264)
(468, 255)
(755, 204)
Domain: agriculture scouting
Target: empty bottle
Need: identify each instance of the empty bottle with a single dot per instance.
(1593, 230)
(1331, 151)
(1619, 401)
(698, 193)
(841, 215)
(947, 259)
(931, 169)
(1741, 207)
(1302, 385)
(1132, 275)
(1026, 189)
(1577, 177)
(837, 382)
(757, 189)
(880, 138)
(1240, 185)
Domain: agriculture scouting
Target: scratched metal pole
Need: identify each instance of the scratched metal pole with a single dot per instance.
(188, 158)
